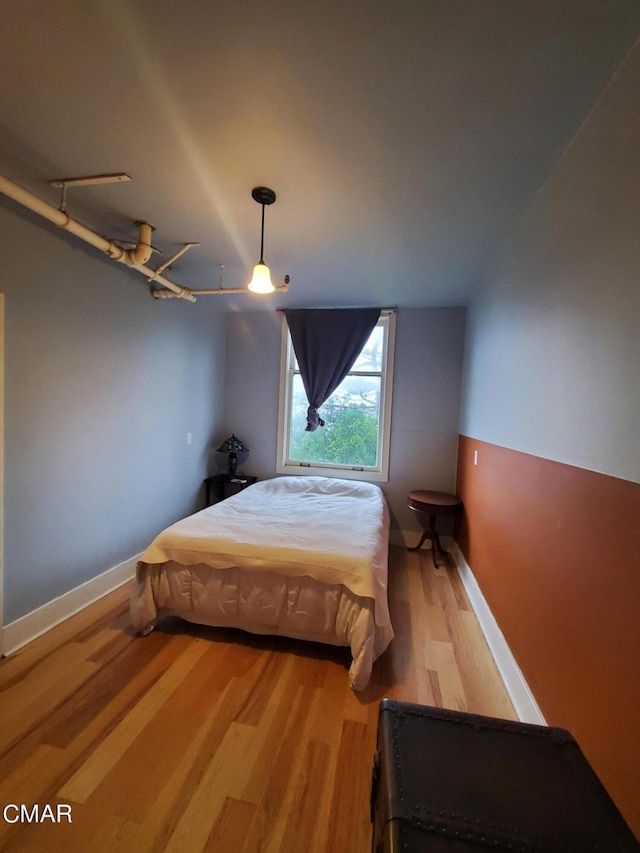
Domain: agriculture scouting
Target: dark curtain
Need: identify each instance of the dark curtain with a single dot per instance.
(327, 343)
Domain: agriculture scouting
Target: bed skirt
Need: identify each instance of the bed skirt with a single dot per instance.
(262, 603)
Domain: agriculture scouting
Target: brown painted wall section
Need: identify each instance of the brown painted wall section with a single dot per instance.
(556, 551)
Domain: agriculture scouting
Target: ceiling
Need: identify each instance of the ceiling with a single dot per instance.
(405, 140)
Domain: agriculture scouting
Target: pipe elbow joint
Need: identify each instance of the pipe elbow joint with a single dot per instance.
(143, 250)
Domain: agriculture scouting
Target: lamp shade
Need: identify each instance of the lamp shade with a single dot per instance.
(261, 280)
(233, 445)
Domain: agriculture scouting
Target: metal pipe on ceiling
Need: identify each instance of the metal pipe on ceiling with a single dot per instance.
(135, 258)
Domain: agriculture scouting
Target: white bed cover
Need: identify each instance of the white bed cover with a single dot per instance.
(336, 531)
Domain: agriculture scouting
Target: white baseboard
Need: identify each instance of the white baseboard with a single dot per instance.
(37, 622)
(521, 696)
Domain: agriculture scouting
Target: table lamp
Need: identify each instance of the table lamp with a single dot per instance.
(232, 445)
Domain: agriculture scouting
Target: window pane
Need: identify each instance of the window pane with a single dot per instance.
(371, 356)
(350, 433)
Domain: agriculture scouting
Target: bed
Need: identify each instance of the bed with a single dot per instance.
(302, 557)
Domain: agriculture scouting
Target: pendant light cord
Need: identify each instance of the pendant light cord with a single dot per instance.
(262, 238)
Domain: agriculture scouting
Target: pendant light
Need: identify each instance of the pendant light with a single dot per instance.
(261, 280)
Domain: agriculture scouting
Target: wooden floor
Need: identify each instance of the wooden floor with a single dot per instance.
(207, 739)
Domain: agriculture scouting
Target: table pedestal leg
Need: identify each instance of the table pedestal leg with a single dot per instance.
(425, 535)
(432, 534)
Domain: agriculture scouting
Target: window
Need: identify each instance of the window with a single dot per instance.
(354, 443)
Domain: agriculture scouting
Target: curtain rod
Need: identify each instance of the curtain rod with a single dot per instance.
(382, 310)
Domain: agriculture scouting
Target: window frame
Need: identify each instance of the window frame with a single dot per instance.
(328, 469)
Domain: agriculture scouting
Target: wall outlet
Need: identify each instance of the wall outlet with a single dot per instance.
(188, 438)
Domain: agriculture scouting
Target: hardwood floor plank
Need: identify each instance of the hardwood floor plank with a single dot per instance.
(302, 821)
(110, 642)
(234, 818)
(181, 781)
(391, 670)
(111, 750)
(225, 777)
(434, 690)
(82, 707)
(269, 822)
(43, 693)
(482, 679)
(133, 784)
(480, 674)
(261, 694)
(349, 828)
(442, 660)
(271, 732)
(62, 763)
(328, 710)
(115, 611)
(42, 677)
(459, 592)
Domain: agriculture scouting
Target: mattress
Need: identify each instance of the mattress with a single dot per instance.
(305, 557)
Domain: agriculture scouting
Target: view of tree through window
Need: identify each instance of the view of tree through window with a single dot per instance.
(350, 435)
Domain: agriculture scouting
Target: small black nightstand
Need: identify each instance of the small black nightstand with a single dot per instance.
(222, 486)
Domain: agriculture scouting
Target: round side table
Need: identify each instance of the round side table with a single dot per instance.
(428, 506)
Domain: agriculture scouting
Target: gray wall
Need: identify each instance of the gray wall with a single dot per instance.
(426, 398)
(553, 366)
(102, 384)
